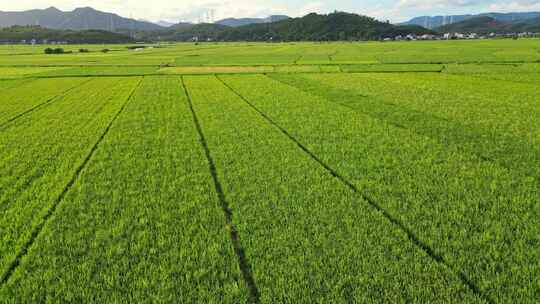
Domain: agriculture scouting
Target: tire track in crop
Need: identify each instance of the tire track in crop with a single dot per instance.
(243, 263)
(41, 105)
(374, 204)
(50, 212)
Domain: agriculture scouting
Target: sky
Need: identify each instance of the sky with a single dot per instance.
(211, 10)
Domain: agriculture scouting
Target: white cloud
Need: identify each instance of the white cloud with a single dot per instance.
(191, 10)
(405, 9)
(383, 12)
(515, 6)
(204, 10)
(160, 9)
(434, 4)
(311, 7)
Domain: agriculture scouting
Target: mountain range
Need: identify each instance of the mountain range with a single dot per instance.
(312, 27)
(432, 22)
(235, 22)
(18, 26)
(88, 18)
(487, 25)
(83, 18)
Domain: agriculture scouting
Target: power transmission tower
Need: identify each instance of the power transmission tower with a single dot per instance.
(213, 13)
(132, 26)
(111, 23)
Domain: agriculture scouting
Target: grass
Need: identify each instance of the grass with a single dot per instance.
(15, 72)
(22, 98)
(492, 119)
(217, 70)
(328, 227)
(425, 183)
(262, 173)
(231, 54)
(119, 215)
(40, 153)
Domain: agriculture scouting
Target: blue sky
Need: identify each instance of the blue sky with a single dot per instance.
(194, 10)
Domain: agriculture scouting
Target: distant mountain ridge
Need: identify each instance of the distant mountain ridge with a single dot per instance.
(235, 22)
(432, 22)
(337, 26)
(165, 23)
(33, 33)
(83, 18)
(487, 25)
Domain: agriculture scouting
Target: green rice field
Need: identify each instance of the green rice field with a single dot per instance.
(365, 172)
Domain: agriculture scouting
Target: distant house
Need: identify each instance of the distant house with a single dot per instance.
(427, 37)
(528, 34)
(410, 37)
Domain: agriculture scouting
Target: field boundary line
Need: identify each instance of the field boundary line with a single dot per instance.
(36, 231)
(76, 65)
(243, 263)
(371, 202)
(41, 105)
(93, 75)
(489, 62)
(340, 70)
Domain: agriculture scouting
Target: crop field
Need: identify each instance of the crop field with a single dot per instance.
(400, 172)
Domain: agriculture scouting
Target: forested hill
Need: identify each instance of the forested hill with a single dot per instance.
(433, 22)
(312, 27)
(480, 25)
(234, 22)
(83, 18)
(336, 26)
(16, 34)
(486, 25)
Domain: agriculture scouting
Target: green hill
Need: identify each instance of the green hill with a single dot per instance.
(16, 34)
(481, 25)
(313, 27)
(486, 25)
(530, 25)
(338, 26)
